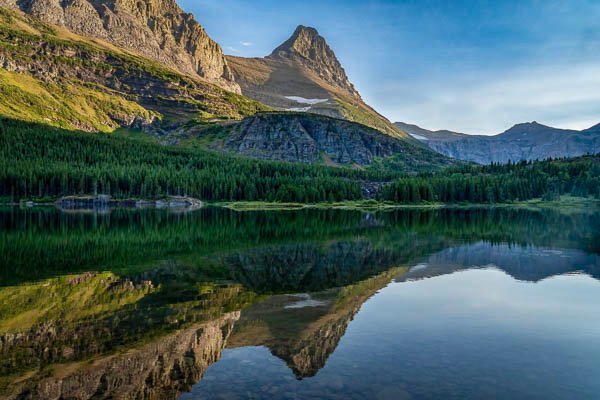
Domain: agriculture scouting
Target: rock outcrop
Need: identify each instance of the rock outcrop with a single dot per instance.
(309, 138)
(528, 141)
(156, 29)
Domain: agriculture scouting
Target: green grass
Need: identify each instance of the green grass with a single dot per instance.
(355, 114)
(92, 105)
(69, 106)
(566, 202)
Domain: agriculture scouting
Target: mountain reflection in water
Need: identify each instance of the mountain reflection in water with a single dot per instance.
(140, 304)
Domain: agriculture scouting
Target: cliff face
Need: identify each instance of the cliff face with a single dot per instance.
(304, 74)
(528, 141)
(160, 370)
(310, 139)
(156, 29)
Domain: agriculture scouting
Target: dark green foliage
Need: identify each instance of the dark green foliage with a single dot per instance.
(501, 183)
(39, 161)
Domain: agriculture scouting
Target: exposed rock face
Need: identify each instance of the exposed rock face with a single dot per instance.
(310, 139)
(304, 74)
(160, 370)
(55, 77)
(528, 141)
(157, 29)
(307, 47)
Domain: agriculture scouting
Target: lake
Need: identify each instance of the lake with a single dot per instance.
(217, 304)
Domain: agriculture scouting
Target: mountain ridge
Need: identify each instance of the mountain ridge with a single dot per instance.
(524, 141)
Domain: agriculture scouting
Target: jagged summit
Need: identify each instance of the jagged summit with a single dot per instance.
(302, 35)
(311, 49)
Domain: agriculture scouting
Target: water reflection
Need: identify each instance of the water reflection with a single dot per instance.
(138, 304)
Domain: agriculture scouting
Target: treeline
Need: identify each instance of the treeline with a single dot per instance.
(500, 183)
(37, 161)
(40, 162)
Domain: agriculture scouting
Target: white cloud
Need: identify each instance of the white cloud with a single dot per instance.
(566, 96)
(246, 44)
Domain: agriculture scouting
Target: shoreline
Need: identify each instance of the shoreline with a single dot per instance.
(566, 202)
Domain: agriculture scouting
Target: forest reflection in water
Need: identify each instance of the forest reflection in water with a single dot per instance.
(141, 303)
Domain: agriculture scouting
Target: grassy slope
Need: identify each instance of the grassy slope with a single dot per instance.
(69, 106)
(89, 103)
(267, 80)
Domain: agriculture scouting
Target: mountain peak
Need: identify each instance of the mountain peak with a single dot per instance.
(593, 128)
(311, 50)
(528, 127)
(302, 41)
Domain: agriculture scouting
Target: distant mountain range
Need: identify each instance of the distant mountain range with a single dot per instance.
(528, 141)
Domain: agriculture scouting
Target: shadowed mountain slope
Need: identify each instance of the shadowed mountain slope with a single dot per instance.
(527, 141)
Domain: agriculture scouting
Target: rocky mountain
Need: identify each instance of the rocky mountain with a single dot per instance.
(162, 369)
(304, 74)
(156, 29)
(527, 264)
(528, 141)
(53, 76)
(309, 138)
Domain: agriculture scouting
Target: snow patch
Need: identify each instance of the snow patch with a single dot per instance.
(299, 109)
(418, 137)
(302, 100)
(306, 301)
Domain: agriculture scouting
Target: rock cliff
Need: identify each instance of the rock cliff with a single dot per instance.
(309, 138)
(159, 370)
(156, 29)
(55, 77)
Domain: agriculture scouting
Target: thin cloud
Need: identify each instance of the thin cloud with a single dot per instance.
(246, 44)
(566, 96)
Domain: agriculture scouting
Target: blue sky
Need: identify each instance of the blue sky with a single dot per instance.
(471, 66)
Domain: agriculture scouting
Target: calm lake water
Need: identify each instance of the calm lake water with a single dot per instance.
(217, 304)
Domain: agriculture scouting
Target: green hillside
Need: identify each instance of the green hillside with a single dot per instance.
(58, 78)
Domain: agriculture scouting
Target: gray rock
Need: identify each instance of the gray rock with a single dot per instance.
(528, 141)
(310, 138)
(157, 29)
